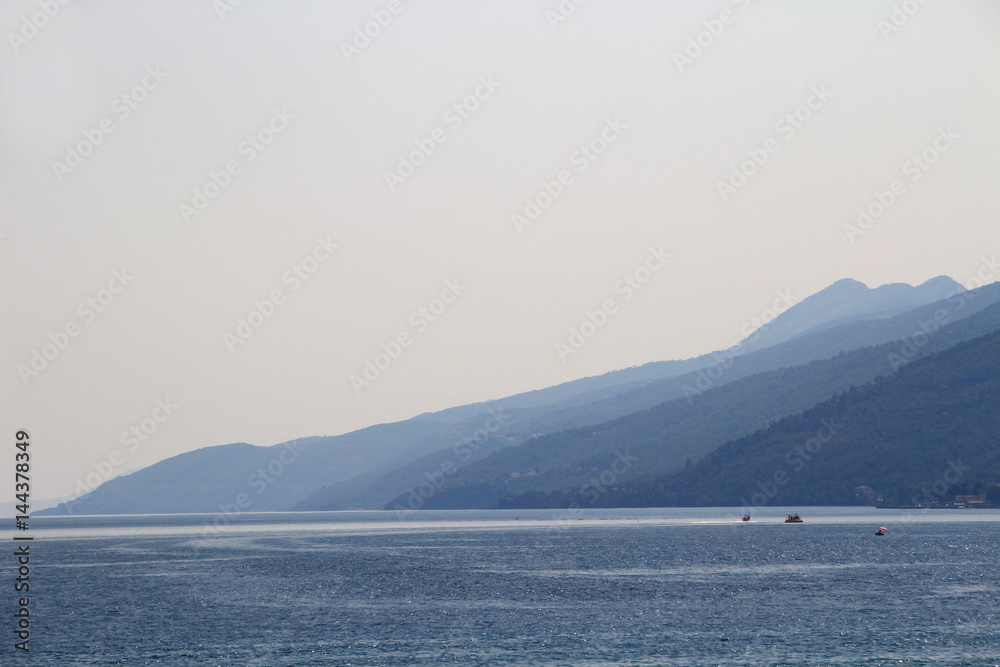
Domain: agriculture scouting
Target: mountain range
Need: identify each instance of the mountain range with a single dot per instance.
(539, 444)
(917, 438)
(664, 438)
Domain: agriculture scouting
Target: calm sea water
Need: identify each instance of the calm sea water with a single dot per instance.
(601, 587)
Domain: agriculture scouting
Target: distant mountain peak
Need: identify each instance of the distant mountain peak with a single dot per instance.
(942, 283)
(846, 283)
(848, 300)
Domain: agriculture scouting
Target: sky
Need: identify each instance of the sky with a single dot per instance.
(226, 221)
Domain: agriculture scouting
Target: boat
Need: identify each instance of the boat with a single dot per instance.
(794, 518)
(746, 517)
(881, 530)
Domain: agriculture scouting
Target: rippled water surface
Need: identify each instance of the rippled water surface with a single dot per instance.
(640, 587)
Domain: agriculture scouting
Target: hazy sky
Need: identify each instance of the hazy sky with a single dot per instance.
(171, 168)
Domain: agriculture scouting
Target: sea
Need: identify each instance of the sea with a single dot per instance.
(588, 587)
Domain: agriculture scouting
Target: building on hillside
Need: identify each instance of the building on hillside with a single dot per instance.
(978, 499)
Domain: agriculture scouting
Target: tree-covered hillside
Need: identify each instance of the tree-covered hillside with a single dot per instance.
(663, 438)
(919, 437)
